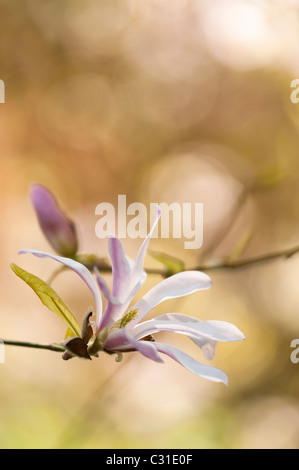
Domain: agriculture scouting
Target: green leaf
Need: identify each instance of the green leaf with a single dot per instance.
(48, 297)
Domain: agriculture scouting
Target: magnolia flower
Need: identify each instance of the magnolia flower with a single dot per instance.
(57, 228)
(119, 328)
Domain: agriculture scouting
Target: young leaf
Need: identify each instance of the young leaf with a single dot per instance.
(172, 265)
(48, 297)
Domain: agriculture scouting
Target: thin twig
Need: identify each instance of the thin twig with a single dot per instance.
(250, 261)
(224, 264)
(26, 344)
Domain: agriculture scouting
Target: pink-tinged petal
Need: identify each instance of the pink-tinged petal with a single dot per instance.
(115, 310)
(178, 285)
(80, 269)
(120, 268)
(121, 272)
(203, 370)
(104, 288)
(111, 311)
(59, 230)
(117, 338)
(123, 287)
(122, 340)
(137, 269)
(127, 277)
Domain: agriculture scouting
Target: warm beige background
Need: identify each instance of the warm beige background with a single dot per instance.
(171, 100)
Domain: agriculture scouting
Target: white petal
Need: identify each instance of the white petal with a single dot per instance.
(203, 370)
(206, 343)
(80, 269)
(178, 285)
(207, 346)
(215, 329)
(215, 332)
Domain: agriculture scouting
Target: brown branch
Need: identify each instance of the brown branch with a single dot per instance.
(222, 265)
(250, 261)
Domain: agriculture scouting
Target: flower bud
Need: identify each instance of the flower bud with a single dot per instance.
(57, 228)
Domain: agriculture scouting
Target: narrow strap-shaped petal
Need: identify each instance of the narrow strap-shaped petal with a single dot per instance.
(122, 340)
(203, 370)
(220, 330)
(80, 269)
(207, 345)
(178, 285)
(120, 268)
(215, 330)
(104, 288)
(121, 271)
(128, 277)
(204, 334)
(137, 269)
(114, 308)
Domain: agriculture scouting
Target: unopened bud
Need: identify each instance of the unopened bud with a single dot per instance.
(57, 228)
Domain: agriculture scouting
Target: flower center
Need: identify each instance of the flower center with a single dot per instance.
(125, 319)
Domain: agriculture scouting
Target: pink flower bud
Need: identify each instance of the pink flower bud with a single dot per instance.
(57, 228)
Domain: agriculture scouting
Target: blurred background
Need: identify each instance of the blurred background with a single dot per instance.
(173, 100)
